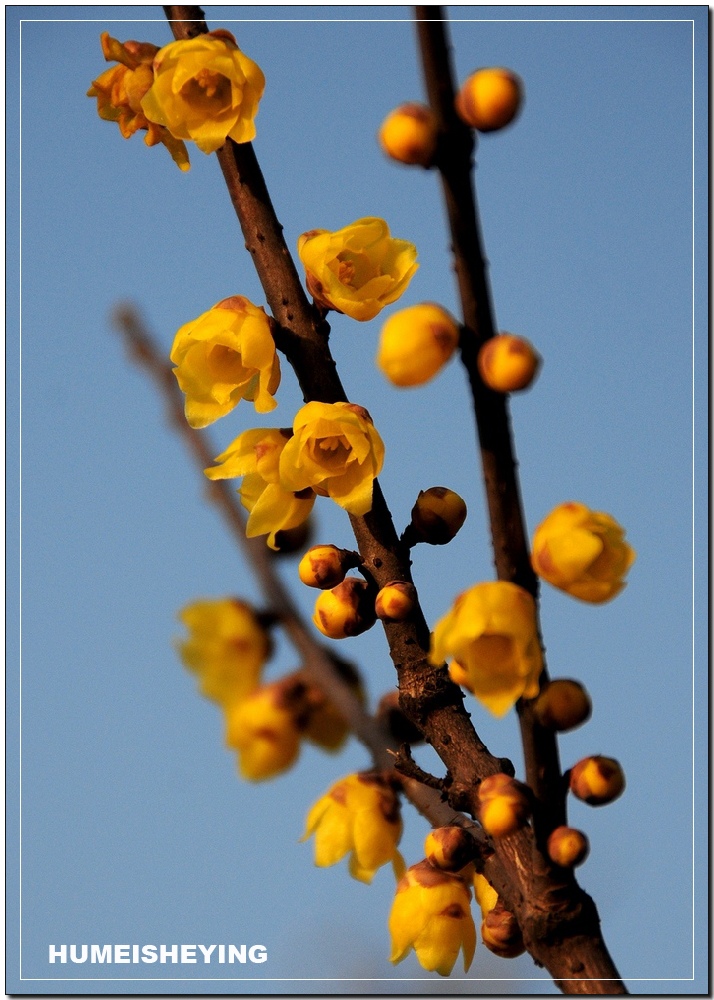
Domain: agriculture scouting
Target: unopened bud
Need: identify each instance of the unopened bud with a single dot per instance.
(501, 934)
(562, 705)
(390, 714)
(437, 516)
(449, 848)
(490, 99)
(345, 610)
(504, 805)
(415, 344)
(324, 566)
(508, 363)
(568, 847)
(395, 601)
(597, 780)
(408, 134)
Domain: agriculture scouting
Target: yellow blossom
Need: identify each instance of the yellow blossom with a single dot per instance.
(431, 913)
(357, 270)
(415, 343)
(360, 816)
(206, 90)
(255, 455)
(120, 89)
(491, 634)
(226, 647)
(265, 729)
(225, 355)
(336, 451)
(582, 552)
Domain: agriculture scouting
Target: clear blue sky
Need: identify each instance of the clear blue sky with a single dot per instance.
(135, 826)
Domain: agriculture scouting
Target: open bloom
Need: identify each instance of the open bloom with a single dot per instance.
(336, 451)
(491, 634)
(582, 552)
(357, 270)
(264, 728)
(120, 89)
(255, 455)
(359, 815)
(431, 913)
(225, 355)
(205, 89)
(226, 647)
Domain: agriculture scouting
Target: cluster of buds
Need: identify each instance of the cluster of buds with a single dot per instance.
(437, 517)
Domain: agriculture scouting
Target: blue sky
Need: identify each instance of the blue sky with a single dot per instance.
(127, 821)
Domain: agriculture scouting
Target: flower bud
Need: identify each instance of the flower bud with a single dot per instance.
(324, 566)
(449, 848)
(345, 610)
(408, 134)
(395, 601)
(501, 934)
(437, 516)
(504, 805)
(597, 780)
(508, 363)
(490, 99)
(415, 343)
(390, 715)
(568, 847)
(562, 705)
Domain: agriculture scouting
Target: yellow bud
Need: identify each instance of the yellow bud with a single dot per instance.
(345, 610)
(568, 847)
(501, 934)
(437, 516)
(324, 566)
(504, 805)
(597, 780)
(415, 343)
(508, 363)
(490, 99)
(449, 848)
(562, 705)
(408, 134)
(395, 602)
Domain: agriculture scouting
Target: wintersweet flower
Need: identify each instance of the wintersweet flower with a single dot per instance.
(225, 355)
(357, 270)
(226, 647)
(360, 816)
(431, 914)
(582, 552)
(120, 89)
(206, 90)
(492, 636)
(415, 344)
(336, 451)
(265, 728)
(255, 455)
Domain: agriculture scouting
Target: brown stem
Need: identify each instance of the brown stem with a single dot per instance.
(505, 509)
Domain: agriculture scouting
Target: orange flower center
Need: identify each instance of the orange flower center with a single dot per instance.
(226, 365)
(207, 86)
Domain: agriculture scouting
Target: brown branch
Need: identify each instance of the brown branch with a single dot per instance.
(503, 496)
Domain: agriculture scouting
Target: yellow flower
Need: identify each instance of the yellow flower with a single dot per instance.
(119, 92)
(416, 343)
(255, 455)
(336, 451)
(226, 647)
(359, 815)
(225, 355)
(265, 729)
(491, 634)
(582, 552)
(357, 270)
(206, 90)
(431, 913)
